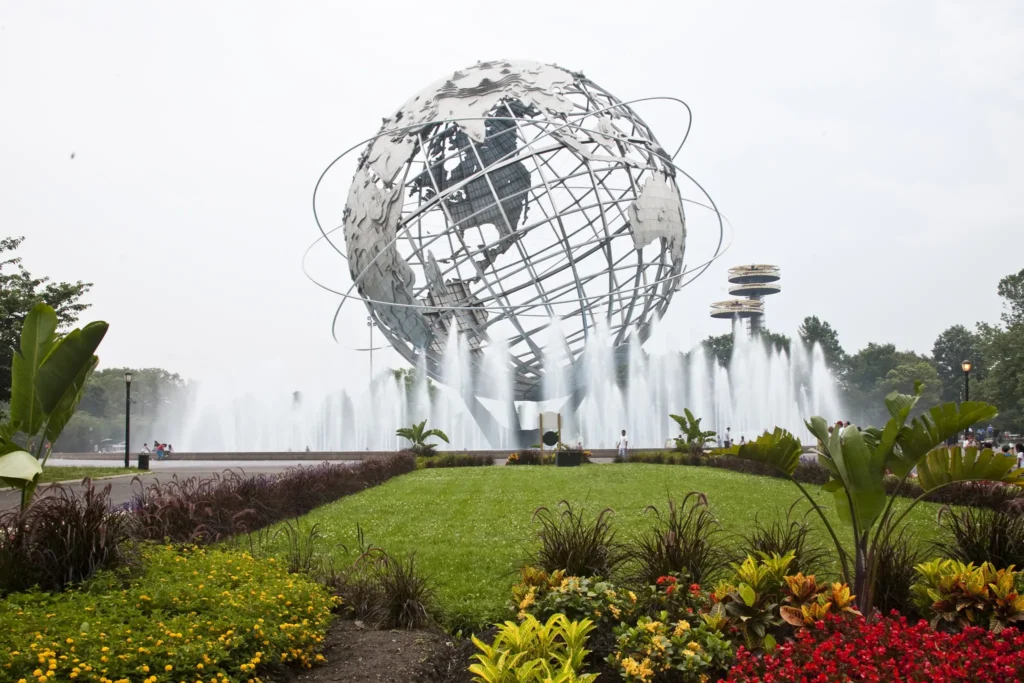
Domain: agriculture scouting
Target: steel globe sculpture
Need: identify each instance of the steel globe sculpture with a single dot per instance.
(503, 197)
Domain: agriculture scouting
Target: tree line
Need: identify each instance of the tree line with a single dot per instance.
(996, 351)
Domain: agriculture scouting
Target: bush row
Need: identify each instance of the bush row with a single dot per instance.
(195, 510)
(975, 494)
(64, 537)
(455, 460)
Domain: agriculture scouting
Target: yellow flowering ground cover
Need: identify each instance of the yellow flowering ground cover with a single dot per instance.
(188, 615)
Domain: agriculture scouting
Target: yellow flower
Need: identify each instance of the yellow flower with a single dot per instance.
(168, 668)
(695, 646)
(681, 628)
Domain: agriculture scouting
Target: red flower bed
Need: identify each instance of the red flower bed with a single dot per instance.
(889, 649)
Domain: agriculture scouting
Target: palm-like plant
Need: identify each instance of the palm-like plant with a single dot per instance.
(48, 376)
(694, 438)
(859, 460)
(418, 435)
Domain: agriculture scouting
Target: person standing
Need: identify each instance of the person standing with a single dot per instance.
(1019, 447)
(623, 446)
(728, 437)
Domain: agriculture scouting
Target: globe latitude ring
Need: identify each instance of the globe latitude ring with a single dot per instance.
(508, 187)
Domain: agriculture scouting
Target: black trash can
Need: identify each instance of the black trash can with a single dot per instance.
(568, 459)
(143, 461)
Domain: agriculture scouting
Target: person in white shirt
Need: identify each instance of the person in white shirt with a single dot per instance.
(623, 445)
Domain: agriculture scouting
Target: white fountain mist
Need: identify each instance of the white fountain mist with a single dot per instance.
(759, 389)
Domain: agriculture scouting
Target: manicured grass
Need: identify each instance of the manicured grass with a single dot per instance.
(471, 528)
(55, 473)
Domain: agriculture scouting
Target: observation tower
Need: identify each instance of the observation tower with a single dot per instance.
(752, 283)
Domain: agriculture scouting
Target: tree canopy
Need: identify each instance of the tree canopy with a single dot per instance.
(20, 291)
(814, 331)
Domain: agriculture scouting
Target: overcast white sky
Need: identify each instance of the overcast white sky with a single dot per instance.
(872, 149)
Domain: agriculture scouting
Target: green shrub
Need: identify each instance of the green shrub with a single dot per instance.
(672, 650)
(454, 460)
(684, 540)
(194, 613)
(580, 546)
(897, 557)
(781, 536)
(956, 595)
(64, 538)
(534, 652)
(581, 597)
(981, 535)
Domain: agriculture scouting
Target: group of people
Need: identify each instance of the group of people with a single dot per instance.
(163, 450)
(971, 441)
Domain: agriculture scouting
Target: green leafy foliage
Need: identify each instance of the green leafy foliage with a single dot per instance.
(20, 292)
(534, 652)
(955, 594)
(418, 435)
(577, 544)
(694, 438)
(48, 377)
(685, 539)
(673, 650)
(858, 462)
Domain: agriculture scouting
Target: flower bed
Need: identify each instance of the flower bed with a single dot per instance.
(889, 649)
(193, 614)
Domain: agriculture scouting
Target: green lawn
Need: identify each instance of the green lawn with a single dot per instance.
(471, 527)
(55, 473)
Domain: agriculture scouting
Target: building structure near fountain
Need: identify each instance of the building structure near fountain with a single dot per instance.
(753, 283)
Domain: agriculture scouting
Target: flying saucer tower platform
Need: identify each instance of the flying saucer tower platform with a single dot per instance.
(752, 283)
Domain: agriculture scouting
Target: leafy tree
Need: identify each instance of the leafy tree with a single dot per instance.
(720, 348)
(19, 293)
(815, 331)
(910, 372)
(1003, 386)
(778, 342)
(878, 369)
(1011, 288)
(155, 393)
(951, 348)
(1002, 350)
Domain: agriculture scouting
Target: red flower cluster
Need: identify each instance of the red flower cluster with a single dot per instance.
(889, 649)
(670, 583)
(695, 589)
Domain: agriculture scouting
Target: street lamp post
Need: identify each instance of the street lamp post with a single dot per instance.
(371, 324)
(966, 367)
(127, 416)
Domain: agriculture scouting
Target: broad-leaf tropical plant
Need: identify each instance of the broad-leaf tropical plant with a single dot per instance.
(858, 462)
(48, 376)
(694, 438)
(418, 435)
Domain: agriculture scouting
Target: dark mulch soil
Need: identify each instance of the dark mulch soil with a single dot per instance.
(361, 655)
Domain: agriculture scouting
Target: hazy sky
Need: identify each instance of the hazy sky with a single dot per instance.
(875, 151)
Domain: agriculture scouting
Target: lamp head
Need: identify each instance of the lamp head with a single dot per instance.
(966, 365)
(128, 377)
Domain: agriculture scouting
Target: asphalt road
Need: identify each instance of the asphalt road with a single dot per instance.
(122, 487)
